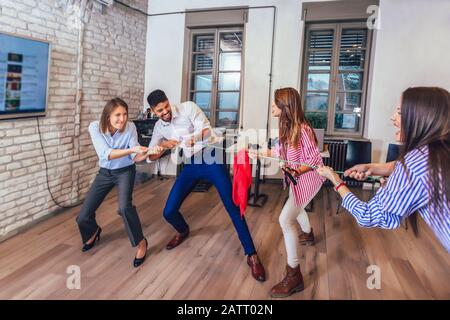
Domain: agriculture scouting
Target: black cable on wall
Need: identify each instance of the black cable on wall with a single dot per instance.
(46, 174)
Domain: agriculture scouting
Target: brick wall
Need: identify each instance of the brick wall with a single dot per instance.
(113, 65)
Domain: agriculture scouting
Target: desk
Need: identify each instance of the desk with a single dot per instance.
(325, 154)
(255, 198)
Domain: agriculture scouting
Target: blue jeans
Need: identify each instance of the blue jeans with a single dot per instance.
(216, 174)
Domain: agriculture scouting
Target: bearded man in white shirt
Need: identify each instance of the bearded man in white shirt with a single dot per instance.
(186, 122)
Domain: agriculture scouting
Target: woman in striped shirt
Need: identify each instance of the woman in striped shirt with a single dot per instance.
(298, 143)
(420, 179)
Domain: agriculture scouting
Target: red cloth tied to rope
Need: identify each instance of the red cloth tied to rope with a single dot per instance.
(242, 179)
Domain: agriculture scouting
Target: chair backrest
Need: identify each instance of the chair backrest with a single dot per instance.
(145, 127)
(393, 152)
(358, 152)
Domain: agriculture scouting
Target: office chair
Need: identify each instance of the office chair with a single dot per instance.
(357, 152)
(393, 152)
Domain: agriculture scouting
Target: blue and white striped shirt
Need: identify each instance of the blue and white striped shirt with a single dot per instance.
(104, 143)
(403, 195)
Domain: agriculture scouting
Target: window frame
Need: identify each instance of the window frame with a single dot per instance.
(187, 90)
(334, 72)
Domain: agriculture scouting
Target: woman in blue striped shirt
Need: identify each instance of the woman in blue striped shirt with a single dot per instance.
(420, 179)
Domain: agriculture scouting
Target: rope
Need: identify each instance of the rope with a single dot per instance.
(281, 161)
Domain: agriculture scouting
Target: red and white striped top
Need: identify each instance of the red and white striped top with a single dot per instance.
(309, 183)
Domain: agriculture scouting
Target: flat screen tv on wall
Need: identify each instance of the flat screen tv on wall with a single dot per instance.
(24, 70)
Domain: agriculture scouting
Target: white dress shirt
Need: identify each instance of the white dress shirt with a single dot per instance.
(187, 120)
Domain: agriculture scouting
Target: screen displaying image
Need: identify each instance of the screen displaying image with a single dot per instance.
(23, 76)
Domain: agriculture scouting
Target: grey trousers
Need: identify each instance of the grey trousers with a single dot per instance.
(104, 182)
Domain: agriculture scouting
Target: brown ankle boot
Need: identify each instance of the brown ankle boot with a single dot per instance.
(307, 239)
(292, 282)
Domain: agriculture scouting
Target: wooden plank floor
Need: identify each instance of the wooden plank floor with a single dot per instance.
(210, 264)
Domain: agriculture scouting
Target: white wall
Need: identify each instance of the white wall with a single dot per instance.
(164, 57)
(411, 48)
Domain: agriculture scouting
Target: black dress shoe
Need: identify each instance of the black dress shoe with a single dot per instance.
(87, 246)
(138, 261)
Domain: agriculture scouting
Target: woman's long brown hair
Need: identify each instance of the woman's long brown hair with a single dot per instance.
(109, 108)
(425, 121)
(292, 116)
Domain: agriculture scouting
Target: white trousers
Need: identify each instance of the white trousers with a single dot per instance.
(289, 219)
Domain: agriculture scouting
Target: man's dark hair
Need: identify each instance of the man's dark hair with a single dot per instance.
(155, 97)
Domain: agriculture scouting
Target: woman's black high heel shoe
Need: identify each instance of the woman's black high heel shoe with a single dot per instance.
(138, 261)
(87, 246)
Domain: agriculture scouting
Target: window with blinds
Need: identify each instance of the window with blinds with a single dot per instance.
(335, 77)
(215, 74)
